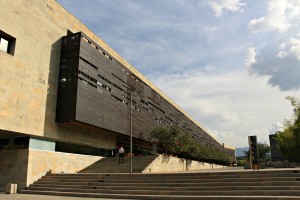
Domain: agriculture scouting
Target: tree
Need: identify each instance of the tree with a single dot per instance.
(167, 138)
(263, 149)
(288, 140)
(247, 155)
(173, 140)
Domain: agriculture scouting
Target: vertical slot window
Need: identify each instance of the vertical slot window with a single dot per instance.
(4, 45)
(7, 43)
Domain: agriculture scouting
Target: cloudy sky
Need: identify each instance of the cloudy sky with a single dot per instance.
(228, 63)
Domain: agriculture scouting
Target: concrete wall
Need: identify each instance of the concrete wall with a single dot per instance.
(172, 164)
(23, 167)
(28, 80)
(13, 168)
(41, 162)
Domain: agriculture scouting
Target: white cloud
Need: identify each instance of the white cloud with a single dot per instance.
(282, 54)
(294, 47)
(281, 15)
(251, 59)
(224, 135)
(278, 57)
(276, 126)
(280, 63)
(219, 6)
(291, 47)
(233, 105)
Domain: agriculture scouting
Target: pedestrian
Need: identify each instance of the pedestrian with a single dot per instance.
(121, 154)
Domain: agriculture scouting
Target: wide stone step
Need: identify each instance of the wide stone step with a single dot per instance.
(157, 197)
(166, 179)
(208, 174)
(148, 176)
(259, 179)
(125, 174)
(72, 178)
(182, 192)
(284, 184)
(199, 188)
(178, 184)
(203, 176)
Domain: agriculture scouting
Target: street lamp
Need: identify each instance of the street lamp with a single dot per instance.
(131, 91)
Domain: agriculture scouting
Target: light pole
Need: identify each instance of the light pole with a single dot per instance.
(131, 91)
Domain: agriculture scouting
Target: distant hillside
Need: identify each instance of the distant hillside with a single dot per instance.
(240, 151)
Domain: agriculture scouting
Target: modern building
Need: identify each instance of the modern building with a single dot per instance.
(67, 98)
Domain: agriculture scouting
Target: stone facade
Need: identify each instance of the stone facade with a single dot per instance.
(13, 168)
(23, 167)
(29, 78)
(41, 162)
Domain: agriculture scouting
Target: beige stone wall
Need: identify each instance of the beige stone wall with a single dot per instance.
(13, 168)
(172, 164)
(24, 166)
(41, 162)
(195, 165)
(28, 80)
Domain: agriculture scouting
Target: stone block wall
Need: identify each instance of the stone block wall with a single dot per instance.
(25, 166)
(13, 168)
(172, 164)
(41, 162)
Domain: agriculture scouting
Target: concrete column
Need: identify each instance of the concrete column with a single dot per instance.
(11, 142)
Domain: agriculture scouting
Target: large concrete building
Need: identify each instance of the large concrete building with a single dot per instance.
(65, 96)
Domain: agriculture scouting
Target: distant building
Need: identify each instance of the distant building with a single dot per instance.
(65, 96)
(230, 151)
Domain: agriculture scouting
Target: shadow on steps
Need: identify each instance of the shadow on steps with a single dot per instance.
(111, 165)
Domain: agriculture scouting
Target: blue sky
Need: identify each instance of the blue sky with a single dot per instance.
(228, 63)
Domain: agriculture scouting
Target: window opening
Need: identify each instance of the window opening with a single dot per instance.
(3, 45)
(7, 43)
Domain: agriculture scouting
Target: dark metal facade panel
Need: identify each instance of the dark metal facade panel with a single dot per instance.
(67, 85)
(99, 95)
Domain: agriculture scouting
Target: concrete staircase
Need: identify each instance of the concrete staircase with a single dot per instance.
(263, 184)
(111, 165)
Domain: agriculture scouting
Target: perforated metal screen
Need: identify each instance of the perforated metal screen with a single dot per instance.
(94, 88)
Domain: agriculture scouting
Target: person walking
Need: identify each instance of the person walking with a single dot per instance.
(121, 154)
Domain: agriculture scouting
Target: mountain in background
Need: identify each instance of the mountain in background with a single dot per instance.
(240, 151)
